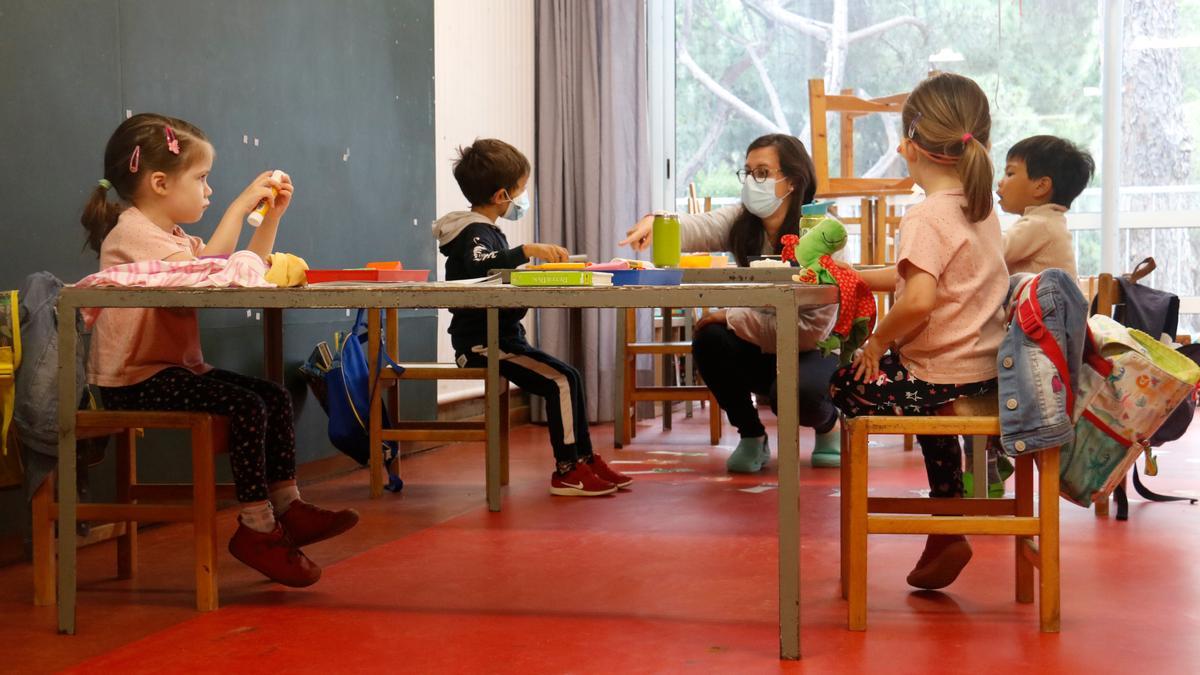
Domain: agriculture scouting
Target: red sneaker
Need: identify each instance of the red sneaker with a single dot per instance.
(273, 554)
(307, 524)
(580, 482)
(603, 472)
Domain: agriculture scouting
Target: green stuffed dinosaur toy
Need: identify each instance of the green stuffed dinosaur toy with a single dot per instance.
(856, 311)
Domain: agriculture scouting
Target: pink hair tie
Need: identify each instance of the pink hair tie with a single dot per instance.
(966, 137)
(135, 159)
(172, 142)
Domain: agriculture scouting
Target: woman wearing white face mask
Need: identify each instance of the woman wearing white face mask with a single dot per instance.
(734, 348)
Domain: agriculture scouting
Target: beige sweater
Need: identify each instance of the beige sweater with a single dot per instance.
(710, 232)
(1040, 241)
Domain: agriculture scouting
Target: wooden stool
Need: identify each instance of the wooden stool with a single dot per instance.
(209, 434)
(1011, 517)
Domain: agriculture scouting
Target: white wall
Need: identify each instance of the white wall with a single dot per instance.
(484, 73)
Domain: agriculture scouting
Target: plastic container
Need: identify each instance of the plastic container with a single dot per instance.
(811, 214)
(665, 243)
(647, 277)
(694, 260)
(365, 274)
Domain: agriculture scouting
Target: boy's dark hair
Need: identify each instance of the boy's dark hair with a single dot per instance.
(488, 165)
(146, 135)
(1069, 167)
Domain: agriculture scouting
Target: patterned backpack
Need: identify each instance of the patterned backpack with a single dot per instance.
(1129, 385)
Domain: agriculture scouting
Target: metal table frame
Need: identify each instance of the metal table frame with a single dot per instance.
(786, 300)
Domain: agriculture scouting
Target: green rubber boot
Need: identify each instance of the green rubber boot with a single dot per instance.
(750, 456)
(827, 451)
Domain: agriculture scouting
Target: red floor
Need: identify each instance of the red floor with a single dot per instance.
(677, 575)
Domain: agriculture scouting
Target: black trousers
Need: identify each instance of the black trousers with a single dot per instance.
(559, 383)
(733, 369)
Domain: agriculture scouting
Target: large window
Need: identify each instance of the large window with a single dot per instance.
(742, 66)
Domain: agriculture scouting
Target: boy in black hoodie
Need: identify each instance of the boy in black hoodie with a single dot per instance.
(492, 175)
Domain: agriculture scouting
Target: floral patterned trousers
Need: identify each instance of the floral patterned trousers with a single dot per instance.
(896, 392)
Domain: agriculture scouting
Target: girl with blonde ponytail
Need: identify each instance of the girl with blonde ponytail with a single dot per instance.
(940, 339)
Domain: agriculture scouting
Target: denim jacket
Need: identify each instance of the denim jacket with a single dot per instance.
(1033, 398)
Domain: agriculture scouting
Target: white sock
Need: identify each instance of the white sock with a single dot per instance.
(258, 516)
(282, 498)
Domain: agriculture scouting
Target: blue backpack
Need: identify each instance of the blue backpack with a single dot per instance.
(349, 388)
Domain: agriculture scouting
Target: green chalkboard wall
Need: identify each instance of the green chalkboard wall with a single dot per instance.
(339, 94)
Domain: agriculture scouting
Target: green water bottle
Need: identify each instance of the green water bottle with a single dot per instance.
(811, 214)
(665, 243)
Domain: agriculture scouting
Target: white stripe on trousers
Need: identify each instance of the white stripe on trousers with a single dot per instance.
(564, 390)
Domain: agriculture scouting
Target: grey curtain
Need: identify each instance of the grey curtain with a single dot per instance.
(592, 161)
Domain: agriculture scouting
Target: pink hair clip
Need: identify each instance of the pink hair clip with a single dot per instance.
(966, 137)
(172, 142)
(135, 159)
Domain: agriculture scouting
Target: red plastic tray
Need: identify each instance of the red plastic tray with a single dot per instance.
(324, 276)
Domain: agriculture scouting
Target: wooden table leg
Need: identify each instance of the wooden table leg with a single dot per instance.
(866, 232)
(375, 415)
(668, 366)
(273, 345)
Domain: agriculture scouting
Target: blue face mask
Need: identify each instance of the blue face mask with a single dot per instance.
(517, 208)
(759, 198)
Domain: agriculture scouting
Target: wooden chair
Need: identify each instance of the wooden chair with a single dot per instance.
(421, 430)
(667, 393)
(694, 203)
(862, 515)
(877, 219)
(142, 502)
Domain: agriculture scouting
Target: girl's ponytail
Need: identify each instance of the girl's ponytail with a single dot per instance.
(975, 170)
(142, 144)
(948, 118)
(99, 217)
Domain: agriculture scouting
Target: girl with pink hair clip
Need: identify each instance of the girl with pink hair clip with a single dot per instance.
(150, 359)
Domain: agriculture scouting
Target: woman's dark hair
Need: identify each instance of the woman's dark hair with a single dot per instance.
(142, 144)
(747, 234)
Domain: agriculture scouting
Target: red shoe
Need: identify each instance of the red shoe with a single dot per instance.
(603, 472)
(307, 524)
(273, 554)
(580, 482)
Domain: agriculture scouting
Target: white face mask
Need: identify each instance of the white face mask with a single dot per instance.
(760, 198)
(517, 207)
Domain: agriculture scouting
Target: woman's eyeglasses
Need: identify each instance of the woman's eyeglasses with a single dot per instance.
(760, 174)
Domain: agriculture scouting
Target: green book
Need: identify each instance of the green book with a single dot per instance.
(560, 278)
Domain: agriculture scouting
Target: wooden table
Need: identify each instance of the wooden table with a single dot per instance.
(786, 300)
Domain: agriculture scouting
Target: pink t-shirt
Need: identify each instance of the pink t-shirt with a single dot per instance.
(131, 345)
(957, 344)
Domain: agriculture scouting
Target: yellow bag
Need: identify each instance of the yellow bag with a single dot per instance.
(10, 359)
